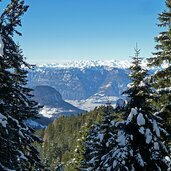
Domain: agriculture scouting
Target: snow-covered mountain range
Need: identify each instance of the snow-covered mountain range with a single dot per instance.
(82, 64)
(85, 84)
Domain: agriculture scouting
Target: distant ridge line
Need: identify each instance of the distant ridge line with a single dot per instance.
(89, 63)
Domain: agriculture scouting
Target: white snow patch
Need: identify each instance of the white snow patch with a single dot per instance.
(164, 89)
(108, 85)
(141, 130)
(139, 159)
(142, 84)
(121, 138)
(1, 46)
(156, 145)
(114, 164)
(166, 64)
(22, 156)
(48, 112)
(132, 114)
(20, 133)
(112, 123)
(3, 120)
(140, 119)
(168, 158)
(100, 136)
(130, 85)
(93, 101)
(148, 135)
(156, 128)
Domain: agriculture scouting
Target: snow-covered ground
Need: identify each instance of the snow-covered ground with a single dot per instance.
(48, 112)
(92, 102)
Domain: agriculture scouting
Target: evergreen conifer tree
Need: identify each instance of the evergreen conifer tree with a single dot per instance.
(140, 144)
(139, 91)
(90, 153)
(80, 148)
(161, 80)
(120, 155)
(16, 106)
(97, 143)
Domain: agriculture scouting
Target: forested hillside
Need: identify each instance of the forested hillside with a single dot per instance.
(66, 134)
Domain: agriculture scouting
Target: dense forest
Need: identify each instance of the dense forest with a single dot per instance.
(65, 137)
(134, 136)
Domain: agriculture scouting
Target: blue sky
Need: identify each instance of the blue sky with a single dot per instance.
(59, 30)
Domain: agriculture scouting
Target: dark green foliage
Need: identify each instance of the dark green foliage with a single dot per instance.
(99, 141)
(91, 158)
(161, 59)
(16, 106)
(141, 137)
(60, 138)
(139, 91)
(138, 143)
(78, 152)
(64, 139)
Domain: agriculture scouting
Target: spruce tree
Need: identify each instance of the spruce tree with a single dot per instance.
(80, 148)
(140, 144)
(148, 146)
(139, 91)
(16, 104)
(120, 155)
(90, 160)
(161, 59)
(97, 143)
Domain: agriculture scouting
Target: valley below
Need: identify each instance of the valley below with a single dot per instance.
(84, 82)
(77, 87)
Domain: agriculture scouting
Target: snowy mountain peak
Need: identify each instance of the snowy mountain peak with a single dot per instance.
(108, 64)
